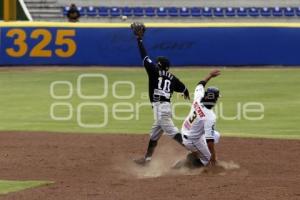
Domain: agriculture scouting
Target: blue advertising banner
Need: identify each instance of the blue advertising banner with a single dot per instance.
(115, 45)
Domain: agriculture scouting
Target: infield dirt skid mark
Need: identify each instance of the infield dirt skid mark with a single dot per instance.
(159, 168)
(165, 156)
(163, 159)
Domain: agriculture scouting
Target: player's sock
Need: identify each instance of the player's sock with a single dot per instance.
(142, 161)
(178, 138)
(151, 147)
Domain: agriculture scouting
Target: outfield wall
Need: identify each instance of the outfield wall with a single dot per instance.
(189, 44)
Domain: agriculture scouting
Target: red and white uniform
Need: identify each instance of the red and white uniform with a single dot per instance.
(199, 126)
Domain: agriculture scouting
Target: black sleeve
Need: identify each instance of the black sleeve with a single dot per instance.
(148, 64)
(179, 86)
(202, 83)
(142, 49)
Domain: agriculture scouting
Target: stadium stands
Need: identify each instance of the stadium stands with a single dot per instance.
(208, 12)
(165, 10)
(181, 3)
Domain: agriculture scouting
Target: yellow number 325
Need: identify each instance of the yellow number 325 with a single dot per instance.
(63, 37)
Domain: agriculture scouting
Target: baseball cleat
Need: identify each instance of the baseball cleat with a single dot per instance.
(142, 161)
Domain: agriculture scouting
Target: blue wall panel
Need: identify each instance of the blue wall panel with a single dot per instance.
(184, 46)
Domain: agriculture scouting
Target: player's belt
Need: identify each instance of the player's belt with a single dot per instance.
(158, 92)
(191, 138)
(154, 102)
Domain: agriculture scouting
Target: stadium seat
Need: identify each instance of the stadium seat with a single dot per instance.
(161, 12)
(265, 12)
(242, 12)
(138, 11)
(115, 12)
(150, 12)
(230, 12)
(91, 11)
(103, 11)
(82, 10)
(184, 12)
(277, 12)
(289, 12)
(253, 12)
(65, 10)
(172, 11)
(196, 12)
(297, 11)
(126, 11)
(218, 12)
(207, 12)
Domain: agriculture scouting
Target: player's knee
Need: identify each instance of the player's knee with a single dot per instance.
(155, 136)
(216, 137)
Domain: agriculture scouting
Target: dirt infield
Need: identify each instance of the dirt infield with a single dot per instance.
(99, 167)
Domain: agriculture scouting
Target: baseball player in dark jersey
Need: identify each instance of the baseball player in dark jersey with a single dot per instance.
(162, 84)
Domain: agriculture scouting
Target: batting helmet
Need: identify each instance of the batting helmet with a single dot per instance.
(211, 96)
(163, 63)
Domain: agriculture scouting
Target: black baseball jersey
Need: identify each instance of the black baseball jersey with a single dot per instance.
(162, 83)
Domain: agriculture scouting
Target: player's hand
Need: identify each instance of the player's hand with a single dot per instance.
(215, 73)
(213, 160)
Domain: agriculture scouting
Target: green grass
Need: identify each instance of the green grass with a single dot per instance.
(14, 186)
(25, 100)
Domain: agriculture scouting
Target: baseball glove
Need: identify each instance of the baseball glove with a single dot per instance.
(138, 29)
